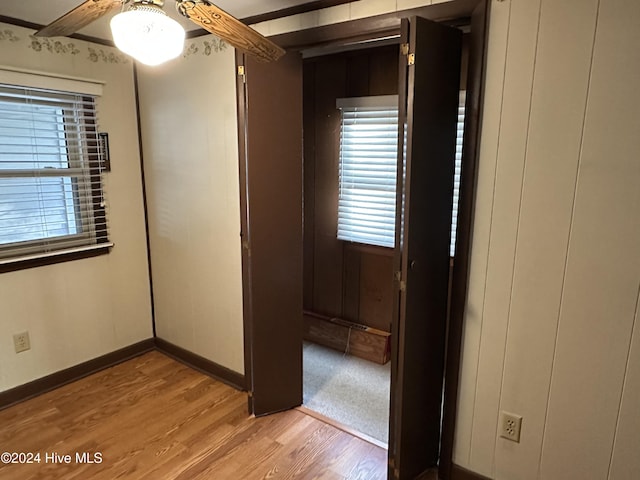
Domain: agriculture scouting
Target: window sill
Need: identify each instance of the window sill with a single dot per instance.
(51, 258)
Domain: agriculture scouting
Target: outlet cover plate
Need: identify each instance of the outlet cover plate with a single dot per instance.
(21, 342)
(510, 426)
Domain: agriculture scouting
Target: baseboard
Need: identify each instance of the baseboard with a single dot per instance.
(58, 379)
(71, 374)
(459, 473)
(359, 340)
(224, 374)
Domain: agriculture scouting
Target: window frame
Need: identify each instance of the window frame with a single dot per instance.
(84, 167)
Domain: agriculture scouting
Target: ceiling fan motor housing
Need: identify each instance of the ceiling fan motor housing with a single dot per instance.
(157, 3)
(145, 32)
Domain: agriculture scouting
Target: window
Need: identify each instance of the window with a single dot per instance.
(368, 169)
(51, 196)
(458, 170)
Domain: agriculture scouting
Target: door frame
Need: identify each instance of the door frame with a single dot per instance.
(474, 13)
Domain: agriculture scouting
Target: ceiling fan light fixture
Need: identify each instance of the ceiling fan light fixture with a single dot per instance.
(146, 33)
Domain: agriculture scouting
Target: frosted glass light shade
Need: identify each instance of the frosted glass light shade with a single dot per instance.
(148, 35)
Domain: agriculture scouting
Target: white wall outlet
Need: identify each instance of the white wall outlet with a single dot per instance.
(21, 342)
(510, 425)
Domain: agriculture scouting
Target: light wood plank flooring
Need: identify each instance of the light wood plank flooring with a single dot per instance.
(154, 418)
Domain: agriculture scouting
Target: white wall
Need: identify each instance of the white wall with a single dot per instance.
(79, 310)
(551, 331)
(190, 142)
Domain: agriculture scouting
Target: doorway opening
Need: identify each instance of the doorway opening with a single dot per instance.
(272, 227)
(348, 285)
(350, 120)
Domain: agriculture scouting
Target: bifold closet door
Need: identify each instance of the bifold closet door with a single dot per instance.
(270, 113)
(429, 90)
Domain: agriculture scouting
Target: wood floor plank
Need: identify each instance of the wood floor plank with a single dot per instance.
(352, 453)
(154, 418)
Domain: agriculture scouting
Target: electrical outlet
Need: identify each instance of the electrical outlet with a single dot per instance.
(21, 342)
(510, 425)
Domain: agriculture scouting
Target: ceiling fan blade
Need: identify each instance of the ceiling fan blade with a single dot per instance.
(230, 29)
(77, 18)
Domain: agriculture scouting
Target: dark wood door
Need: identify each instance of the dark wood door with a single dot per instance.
(429, 85)
(270, 102)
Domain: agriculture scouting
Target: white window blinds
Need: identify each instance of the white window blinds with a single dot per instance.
(458, 170)
(51, 195)
(367, 170)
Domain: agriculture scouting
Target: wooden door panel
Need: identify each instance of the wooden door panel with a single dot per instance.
(423, 236)
(271, 173)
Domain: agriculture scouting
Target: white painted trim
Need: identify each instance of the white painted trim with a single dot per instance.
(50, 81)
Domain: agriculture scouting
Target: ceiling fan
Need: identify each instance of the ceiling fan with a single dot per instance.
(143, 24)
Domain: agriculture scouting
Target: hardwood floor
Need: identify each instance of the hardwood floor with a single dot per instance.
(154, 418)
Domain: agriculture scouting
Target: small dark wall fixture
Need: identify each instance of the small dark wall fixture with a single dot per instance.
(103, 138)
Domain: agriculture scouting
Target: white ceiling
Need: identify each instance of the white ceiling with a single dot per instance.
(44, 12)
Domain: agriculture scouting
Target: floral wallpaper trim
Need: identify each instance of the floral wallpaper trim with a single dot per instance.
(61, 47)
(96, 55)
(53, 46)
(207, 47)
(8, 35)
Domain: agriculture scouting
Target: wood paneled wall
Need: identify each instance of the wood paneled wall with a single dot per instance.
(341, 279)
(551, 329)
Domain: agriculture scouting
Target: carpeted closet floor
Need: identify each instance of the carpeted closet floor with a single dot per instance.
(348, 389)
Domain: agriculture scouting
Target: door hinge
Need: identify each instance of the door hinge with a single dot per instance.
(250, 394)
(411, 59)
(402, 285)
(392, 467)
(241, 70)
(247, 247)
(404, 48)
